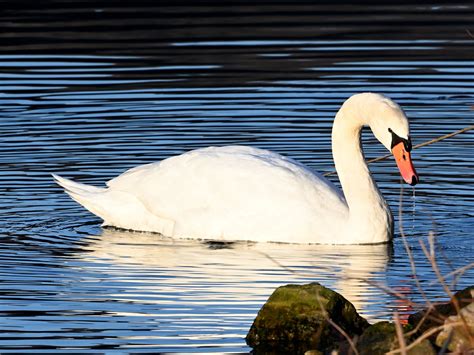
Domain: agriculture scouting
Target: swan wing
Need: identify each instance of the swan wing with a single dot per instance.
(237, 192)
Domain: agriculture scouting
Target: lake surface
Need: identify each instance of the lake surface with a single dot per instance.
(89, 90)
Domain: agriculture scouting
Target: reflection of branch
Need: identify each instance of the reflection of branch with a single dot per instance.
(469, 33)
(280, 264)
(390, 291)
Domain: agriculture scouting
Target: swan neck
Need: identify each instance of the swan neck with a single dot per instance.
(367, 207)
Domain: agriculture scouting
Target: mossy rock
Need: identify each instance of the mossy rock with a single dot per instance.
(432, 318)
(381, 338)
(295, 319)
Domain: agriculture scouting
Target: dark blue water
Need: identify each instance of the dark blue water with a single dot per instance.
(89, 91)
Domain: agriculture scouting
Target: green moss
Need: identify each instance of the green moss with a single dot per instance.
(377, 339)
(295, 319)
(381, 338)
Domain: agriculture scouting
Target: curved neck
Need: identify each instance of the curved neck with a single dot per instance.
(369, 214)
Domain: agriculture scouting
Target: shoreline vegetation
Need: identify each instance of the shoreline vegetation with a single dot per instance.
(312, 319)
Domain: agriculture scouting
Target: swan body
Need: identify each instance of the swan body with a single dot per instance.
(245, 193)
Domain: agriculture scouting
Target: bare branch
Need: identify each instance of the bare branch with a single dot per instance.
(424, 336)
(400, 336)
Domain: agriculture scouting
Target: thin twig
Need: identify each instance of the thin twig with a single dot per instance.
(392, 292)
(430, 255)
(432, 259)
(424, 336)
(344, 334)
(321, 306)
(335, 325)
(400, 336)
(453, 273)
(423, 319)
(434, 140)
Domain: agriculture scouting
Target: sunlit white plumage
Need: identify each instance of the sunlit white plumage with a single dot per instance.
(245, 193)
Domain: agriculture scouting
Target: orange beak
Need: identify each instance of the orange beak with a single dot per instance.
(405, 165)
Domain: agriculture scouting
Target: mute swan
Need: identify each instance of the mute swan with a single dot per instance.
(244, 193)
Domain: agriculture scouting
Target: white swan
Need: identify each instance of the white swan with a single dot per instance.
(244, 193)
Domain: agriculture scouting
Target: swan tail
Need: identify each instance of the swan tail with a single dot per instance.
(91, 197)
(116, 208)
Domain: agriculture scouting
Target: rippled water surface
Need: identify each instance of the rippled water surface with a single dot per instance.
(90, 90)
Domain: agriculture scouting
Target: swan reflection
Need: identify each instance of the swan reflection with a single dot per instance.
(239, 273)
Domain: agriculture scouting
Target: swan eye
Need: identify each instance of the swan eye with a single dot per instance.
(407, 143)
(397, 139)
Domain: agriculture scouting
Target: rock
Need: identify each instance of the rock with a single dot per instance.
(295, 320)
(423, 348)
(377, 339)
(313, 352)
(432, 318)
(459, 335)
(381, 338)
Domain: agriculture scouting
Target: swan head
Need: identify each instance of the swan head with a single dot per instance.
(390, 126)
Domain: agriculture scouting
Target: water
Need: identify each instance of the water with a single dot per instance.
(89, 91)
